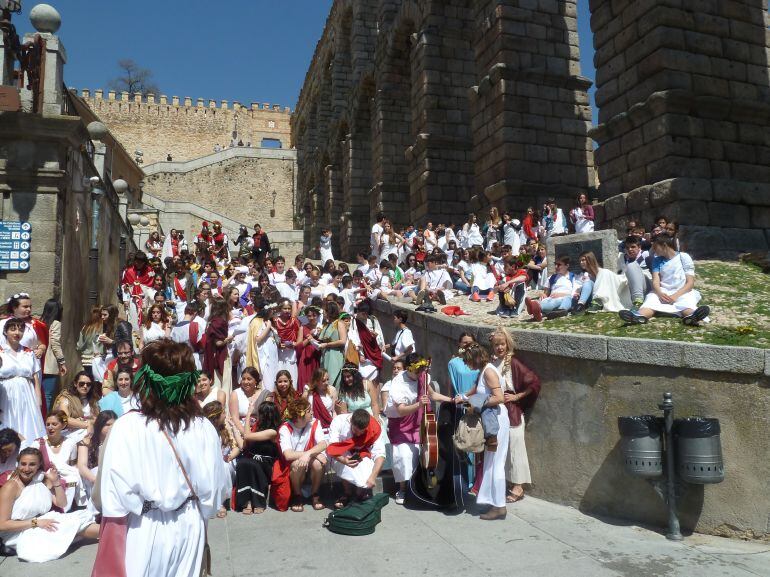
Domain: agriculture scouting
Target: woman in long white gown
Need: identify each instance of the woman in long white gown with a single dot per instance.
(493, 486)
(160, 476)
(61, 452)
(27, 523)
(20, 393)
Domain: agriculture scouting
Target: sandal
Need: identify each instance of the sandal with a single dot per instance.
(512, 497)
(297, 505)
(316, 501)
(222, 513)
(247, 510)
(342, 502)
(259, 510)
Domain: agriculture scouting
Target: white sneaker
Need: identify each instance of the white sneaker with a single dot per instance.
(399, 497)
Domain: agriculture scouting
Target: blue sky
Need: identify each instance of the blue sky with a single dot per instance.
(244, 50)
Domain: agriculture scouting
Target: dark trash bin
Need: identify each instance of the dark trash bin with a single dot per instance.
(641, 442)
(699, 450)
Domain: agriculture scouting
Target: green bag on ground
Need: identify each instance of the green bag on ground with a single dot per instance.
(358, 518)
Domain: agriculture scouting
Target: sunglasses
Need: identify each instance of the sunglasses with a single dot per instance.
(84, 383)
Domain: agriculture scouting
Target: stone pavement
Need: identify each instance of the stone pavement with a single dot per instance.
(538, 539)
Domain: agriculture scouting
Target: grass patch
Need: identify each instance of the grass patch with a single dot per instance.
(739, 297)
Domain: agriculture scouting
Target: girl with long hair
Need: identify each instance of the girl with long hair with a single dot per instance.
(332, 340)
(88, 449)
(216, 348)
(88, 346)
(164, 452)
(322, 396)
(79, 401)
(123, 399)
(246, 399)
(590, 267)
(355, 392)
(289, 331)
(284, 393)
(521, 388)
(308, 354)
(60, 451)
(26, 501)
(254, 467)
(231, 443)
(54, 365)
(156, 325)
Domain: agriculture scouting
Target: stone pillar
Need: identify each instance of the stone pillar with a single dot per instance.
(683, 110)
(356, 181)
(53, 74)
(530, 108)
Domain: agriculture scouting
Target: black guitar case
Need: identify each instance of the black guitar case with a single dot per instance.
(449, 491)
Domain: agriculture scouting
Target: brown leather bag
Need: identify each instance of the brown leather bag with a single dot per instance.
(351, 354)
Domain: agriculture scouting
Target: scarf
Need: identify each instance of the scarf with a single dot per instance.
(362, 442)
(252, 351)
(180, 292)
(369, 344)
(320, 411)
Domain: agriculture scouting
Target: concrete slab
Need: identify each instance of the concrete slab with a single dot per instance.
(538, 539)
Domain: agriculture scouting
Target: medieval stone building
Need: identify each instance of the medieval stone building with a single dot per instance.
(429, 110)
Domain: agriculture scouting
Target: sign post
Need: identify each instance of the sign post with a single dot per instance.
(15, 245)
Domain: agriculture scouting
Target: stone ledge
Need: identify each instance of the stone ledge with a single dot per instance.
(712, 358)
(645, 351)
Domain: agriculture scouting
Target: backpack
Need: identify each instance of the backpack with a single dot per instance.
(469, 436)
(357, 518)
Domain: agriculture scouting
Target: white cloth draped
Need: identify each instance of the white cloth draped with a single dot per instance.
(19, 408)
(138, 466)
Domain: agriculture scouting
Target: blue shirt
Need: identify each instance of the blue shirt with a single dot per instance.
(463, 378)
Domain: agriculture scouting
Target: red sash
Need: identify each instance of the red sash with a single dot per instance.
(287, 331)
(111, 555)
(180, 292)
(197, 346)
(281, 489)
(369, 344)
(362, 442)
(320, 411)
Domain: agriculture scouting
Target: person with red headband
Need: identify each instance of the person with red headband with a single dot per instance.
(357, 452)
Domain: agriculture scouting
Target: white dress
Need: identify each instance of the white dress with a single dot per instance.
(325, 245)
(154, 333)
(268, 359)
(472, 236)
(68, 452)
(387, 248)
(139, 470)
(39, 545)
(492, 490)
(19, 408)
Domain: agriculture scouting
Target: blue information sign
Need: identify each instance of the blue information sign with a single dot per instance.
(15, 245)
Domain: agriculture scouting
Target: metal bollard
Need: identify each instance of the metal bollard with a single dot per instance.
(667, 406)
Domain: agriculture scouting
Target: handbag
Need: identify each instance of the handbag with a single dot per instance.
(206, 561)
(508, 300)
(469, 436)
(357, 518)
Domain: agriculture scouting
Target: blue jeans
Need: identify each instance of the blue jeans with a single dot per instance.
(50, 383)
(548, 305)
(586, 292)
(462, 287)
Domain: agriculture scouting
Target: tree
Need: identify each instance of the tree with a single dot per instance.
(133, 79)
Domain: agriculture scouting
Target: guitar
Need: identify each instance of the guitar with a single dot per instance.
(428, 435)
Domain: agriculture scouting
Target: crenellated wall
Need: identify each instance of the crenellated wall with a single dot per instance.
(185, 128)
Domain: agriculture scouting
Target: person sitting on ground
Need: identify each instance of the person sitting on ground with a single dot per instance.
(483, 282)
(123, 399)
(563, 286)
(302, 442)
(88, 451)
(254, 466)
(231, 444)
(27, 523)
(590, 267)
(357, 451)
(79, 402)
(435, 284)
(511, 288)
(636, 264)
(673, 282)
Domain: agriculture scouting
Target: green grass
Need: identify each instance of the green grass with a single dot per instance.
(739, 297)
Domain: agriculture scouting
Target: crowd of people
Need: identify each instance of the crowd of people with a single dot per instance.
(224, 379)
(252, 380)
(504, 260)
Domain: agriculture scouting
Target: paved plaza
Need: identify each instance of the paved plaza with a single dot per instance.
(537, 539)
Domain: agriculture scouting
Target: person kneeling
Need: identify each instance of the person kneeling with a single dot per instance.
(302, 443)
(357, 450)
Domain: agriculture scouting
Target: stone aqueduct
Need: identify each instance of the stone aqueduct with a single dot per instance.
(431, 109)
